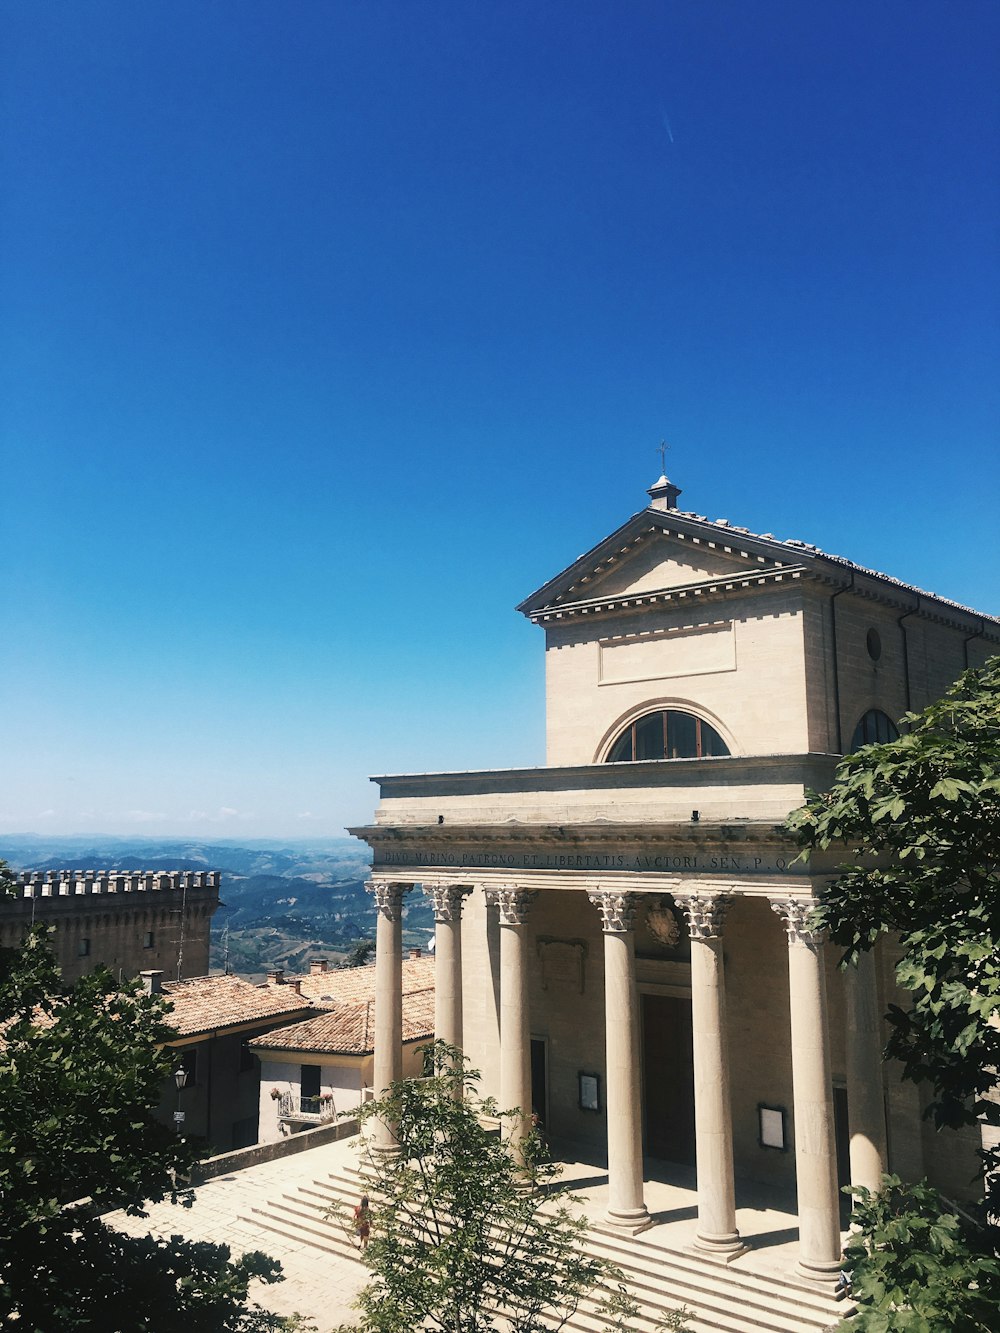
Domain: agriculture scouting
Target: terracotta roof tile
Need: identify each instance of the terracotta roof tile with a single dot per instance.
(350, 1029)
(202, 1004)
(351, 985)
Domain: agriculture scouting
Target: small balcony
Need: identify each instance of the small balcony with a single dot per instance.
(297, 1110)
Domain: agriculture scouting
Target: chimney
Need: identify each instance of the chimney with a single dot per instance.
(277, 977)
(152, 982)
(296, 985)
(317, 966)
(663, 494)
(415, 953)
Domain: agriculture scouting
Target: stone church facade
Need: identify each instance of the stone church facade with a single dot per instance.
(623, 936)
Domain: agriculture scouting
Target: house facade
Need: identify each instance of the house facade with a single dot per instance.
(624, 943)
(215, 1019)
(323, 1067)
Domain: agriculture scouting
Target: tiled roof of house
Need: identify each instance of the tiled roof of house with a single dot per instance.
(204, 1004)
(349, 1029)
(351, 985)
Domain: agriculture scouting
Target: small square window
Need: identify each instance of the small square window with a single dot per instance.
(148, 940)
(83, 948)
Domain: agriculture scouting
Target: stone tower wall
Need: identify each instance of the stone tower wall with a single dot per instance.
(129, 921)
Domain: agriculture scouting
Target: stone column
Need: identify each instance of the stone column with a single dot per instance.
(812, 1094)
(447, 900)
(626, 1206)
(865, 1099)
(717, 1232)
(515, 1017)
(388, 1062)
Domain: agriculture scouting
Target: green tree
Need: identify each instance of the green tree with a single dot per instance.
(920, 817)
(464, 1236)
(917, 1266)
(359, 955)
(81, 1070)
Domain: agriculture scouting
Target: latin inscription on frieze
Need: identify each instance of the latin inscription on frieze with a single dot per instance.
(702, 862)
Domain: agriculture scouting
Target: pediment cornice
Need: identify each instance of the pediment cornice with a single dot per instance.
(748, 554)
(756, 560)
(705, 590)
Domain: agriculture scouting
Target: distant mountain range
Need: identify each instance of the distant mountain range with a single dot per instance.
(283, 903)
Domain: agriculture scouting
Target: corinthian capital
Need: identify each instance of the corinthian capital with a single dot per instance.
(797, 917)
(617, 911)
(705, 913)
(388, 895)
(447, 900)
(512, 902)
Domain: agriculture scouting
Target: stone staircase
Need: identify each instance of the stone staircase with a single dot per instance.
(720, 1298)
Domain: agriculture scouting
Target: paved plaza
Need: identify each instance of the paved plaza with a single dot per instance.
(316, 1284)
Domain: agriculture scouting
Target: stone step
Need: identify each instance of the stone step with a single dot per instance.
(710, 1306)
(812, 1307)
(720, 1297)
(262, 1220)
(652, 1270)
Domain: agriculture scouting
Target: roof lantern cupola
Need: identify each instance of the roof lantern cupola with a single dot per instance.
(663, 493)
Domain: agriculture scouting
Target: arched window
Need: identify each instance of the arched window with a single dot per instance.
(875, 728)
(666, 734)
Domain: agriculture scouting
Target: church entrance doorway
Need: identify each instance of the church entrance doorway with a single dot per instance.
(668, 1078)
(539, 1080)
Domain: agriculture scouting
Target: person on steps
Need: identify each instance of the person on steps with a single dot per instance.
(362, 1221)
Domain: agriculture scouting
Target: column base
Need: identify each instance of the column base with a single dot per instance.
(726, 1248)
(383, 1145)
(822, 1273)
(628, 1221)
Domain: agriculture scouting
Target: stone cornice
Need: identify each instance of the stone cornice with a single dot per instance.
(700, 834)
(742, 545)
(761, 556)
(754, 858)
(706, 590)
(811, 769)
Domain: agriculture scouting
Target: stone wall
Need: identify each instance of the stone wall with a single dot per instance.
(772, 688)
(755, 696)
(129, 921)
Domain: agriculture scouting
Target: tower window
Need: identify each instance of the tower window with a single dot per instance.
(147, 940)
(875, 728)
(667, 734)
(83, 948)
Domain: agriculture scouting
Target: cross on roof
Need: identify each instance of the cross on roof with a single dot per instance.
(662, 451)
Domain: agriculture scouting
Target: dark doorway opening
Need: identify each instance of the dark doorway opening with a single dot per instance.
(668, 1078)
(309, 1099)
(539, 1101)
(842, 1137)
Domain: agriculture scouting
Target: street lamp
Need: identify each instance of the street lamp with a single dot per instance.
(180, 1078)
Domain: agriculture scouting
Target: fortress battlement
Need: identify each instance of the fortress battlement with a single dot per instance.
(71, 883)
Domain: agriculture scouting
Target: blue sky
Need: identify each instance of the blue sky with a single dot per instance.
(330, 330)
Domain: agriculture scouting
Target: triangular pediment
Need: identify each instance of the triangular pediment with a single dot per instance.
(659, 561)
(659, 550)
